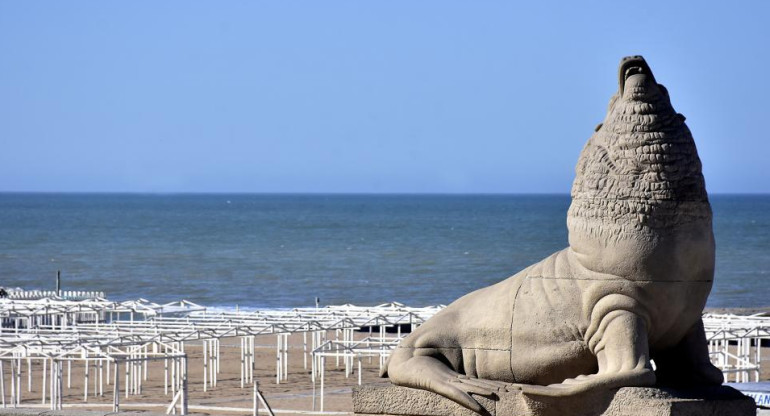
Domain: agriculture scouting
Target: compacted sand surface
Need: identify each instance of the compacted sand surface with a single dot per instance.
(291, 396)
(295, 393)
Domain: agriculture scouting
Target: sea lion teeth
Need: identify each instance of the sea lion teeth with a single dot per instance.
(633, 71)
(629, 288)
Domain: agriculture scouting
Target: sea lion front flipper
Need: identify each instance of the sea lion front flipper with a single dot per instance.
(621, 348)
(428, 373)
(688, 363)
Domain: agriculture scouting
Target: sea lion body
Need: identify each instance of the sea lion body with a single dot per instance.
(541, 331)
(630, 287)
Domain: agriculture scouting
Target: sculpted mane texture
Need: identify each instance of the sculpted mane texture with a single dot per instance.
(640, 171)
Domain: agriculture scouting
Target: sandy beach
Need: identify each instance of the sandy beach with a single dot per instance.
(295, 393)
(291, 396)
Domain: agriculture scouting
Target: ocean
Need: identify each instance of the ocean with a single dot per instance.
(279, 251)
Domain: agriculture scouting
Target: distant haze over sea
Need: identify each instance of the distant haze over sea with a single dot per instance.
(284, 250)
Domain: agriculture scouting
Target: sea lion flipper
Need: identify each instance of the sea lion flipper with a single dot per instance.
(688, 363)
(621, 348)
(428, 373)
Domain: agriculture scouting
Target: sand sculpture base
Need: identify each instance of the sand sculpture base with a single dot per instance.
(626, 401)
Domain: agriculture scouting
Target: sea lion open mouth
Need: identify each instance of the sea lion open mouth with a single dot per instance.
(634, 76)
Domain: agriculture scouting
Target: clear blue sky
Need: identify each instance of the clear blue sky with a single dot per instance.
(331, 96)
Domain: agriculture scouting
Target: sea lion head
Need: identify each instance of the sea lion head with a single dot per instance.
(639, 196)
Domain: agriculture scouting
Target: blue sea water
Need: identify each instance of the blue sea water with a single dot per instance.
(285, 250)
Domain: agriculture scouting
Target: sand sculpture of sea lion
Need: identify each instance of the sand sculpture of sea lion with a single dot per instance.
(630, 287)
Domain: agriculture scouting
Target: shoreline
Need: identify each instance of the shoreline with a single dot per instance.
(762, 311)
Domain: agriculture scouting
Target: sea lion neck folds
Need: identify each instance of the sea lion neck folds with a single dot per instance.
(629, 289)
(638, 185)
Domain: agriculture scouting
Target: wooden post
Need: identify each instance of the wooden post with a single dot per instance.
(132, 365)
(128, 384)
(323, 365)
(2, 383)
(116, 389)
(205, 364)
(96, 377)
(144, 372)
(139, 372)
(278, 359)
(256, 403)
(85, 383)
(42, 387)
(13, 382)
(184, 385)
(286, 356)
(312, 377)
(59, 372)
(243, 360)
(262, 399)
(29, 374)
(253, 358)
(53, 386)
(337, 339)
(165, 371)
(173, 377)
(18, 381)
(214, 367)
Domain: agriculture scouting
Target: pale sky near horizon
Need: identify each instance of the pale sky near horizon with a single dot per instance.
(344, 96)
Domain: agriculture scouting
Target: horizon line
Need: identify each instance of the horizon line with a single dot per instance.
(319, 193)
